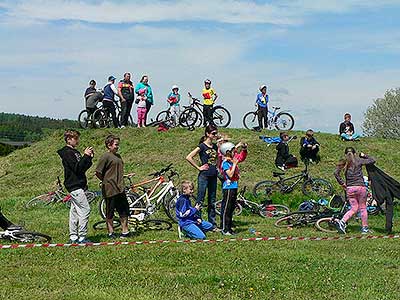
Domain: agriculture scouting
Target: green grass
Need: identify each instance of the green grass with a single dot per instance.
(358, 269)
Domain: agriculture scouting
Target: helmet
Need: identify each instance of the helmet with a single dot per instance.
(207, 81)
(263, 86)
(175, 87)
(111, 78)
(225, 147)
(306, 206)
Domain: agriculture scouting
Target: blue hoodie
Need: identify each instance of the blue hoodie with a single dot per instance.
(185, 212)
(261, 100)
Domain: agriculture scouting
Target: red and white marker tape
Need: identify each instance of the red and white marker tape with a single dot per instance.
(252, 239)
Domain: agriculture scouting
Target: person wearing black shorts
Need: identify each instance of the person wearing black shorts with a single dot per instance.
(110, 170)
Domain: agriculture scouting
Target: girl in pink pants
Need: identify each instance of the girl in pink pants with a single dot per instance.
(141, 107)
(354, 186)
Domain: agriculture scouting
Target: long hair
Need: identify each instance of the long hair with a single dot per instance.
(209, 128)
(350, 156)
(141, 80)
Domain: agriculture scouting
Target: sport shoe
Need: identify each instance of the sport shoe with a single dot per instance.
(84, 241)
(341, 226)
(226, 233)
(112, 236)
(365, 230)
(216, 229)
(73, 242)
(124, 235)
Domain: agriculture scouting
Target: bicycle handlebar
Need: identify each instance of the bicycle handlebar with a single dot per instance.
(162, 171)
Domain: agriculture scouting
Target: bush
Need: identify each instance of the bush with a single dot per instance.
(382, 118)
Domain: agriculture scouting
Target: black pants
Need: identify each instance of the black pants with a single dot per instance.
(4, 222)
(262, 113)
(208, 115)
(308, 153)
(389, 215)
(109, 105)
(227, 209)
(126, 107)
(148, 106)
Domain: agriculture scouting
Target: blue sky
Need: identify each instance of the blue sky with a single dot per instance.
(319, 59)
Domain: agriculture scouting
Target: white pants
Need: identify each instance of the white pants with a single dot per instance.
(78, 215)
(174, 111)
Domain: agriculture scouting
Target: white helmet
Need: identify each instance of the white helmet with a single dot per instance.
(225, 147)
(262, 87)
(175, 87)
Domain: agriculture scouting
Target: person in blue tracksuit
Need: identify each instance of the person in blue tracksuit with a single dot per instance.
(188, 216)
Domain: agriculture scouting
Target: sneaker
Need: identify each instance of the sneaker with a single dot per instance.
(216, 229)
(365, 230)
(341, 226)
(122, 127)
(112, 236)
(84, 241)
(232, 232)
(124, 235)
(73, 242)
(281, 168)
(226, 233)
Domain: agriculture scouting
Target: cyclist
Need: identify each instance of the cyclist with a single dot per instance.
(144, 84)
(173, 99)
(262, 104)
(209, 96)
(92, 97)
(75, 167)
(126, 93)
(108, 99)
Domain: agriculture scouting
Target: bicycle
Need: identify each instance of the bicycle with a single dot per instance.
(58, 196)
(161, 193)
(266, 210)
(136, 225)
(19, 234)
(171, 119)
(280, 120)
(192, 115)
(312, 187)
(101, 117)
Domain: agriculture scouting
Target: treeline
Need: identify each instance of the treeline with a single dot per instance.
(16, 127)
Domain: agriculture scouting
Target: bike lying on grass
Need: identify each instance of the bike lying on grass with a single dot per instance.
(265, 210)
(136, 225)
(17, 233)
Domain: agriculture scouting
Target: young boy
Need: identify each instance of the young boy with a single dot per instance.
(230, 186)
(346, 129)
(173, 99)
(283, 158)
(262, 107)
(188, 217)
(75, 167)
(309, 147)
(209, 97)
(110, 170)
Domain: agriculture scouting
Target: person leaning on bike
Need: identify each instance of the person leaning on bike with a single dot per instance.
(92, 97)
(108, 100)
(209, 97)
(126, 93)
(262, 107)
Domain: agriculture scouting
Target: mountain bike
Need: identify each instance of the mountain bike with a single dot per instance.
(17, 233)
(192, 115)
(266, 210)
(312, 187)
(147, 197)
(58, 196)
(136, 225)
(101, 117)
(170, 118)
(281, 120)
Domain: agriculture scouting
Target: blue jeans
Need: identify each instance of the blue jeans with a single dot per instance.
(350, 137)
(196, 231)
(208, 183)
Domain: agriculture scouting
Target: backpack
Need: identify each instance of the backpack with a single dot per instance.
(306, 206)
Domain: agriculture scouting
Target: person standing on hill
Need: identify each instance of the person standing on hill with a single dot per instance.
(126, 93)
(75, 167)
(144, 84)
(108, 100)
(207, 179)
(354, 186)
(262, 107)
(209, 96)
(173, 100)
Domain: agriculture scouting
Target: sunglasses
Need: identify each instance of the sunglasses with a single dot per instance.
(214, 132)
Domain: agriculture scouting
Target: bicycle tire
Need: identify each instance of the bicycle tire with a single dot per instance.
(170, 207)
(296, 219)
(326, 225)
(273, 210)
(41, 200)
(221, 116)
(156, 224)
(265, 189)
(102, 225)
(84, 119)
(101, 119)
(131, 197)
(30, 237)
(281, 123)
(238, 208)
(317, 188)
(131, 123)
(90, 196)
(250, 120)
(189, 117)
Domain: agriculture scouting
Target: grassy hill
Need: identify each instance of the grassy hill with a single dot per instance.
(367, 269)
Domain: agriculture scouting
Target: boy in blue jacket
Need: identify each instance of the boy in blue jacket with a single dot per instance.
(188, 216)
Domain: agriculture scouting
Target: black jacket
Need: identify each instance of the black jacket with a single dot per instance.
(346, 125)
(75, 167)
(384, 187)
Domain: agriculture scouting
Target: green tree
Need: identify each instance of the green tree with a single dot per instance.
(382, 118)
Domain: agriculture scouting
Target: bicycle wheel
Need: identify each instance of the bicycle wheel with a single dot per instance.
(84, 119)
(221, 116)
(274, 210)
(41, 201)
(238, 208)
(31, 237)
(189, 117)
(157, 225)
(326, 225)
(102, 225)
(131, 123)
(317, 188)
(170, 206)
(137, 207)
(284, 121)
(266, 189)
(296, 219)
(250, 120)
(101, 119)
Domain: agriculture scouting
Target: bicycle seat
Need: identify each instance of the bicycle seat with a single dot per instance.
(14, 227)
(276, 107)
(277, 174)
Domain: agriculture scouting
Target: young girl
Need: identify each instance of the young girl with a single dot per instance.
(230, 186)
(173, 99)
(207, 180)
(354, 186)
(141, 107)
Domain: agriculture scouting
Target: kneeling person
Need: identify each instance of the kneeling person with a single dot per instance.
(188, 216)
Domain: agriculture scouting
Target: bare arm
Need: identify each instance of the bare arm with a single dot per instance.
(190, 157)
(231, 171)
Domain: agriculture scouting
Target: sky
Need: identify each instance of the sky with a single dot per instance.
(319, 59)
